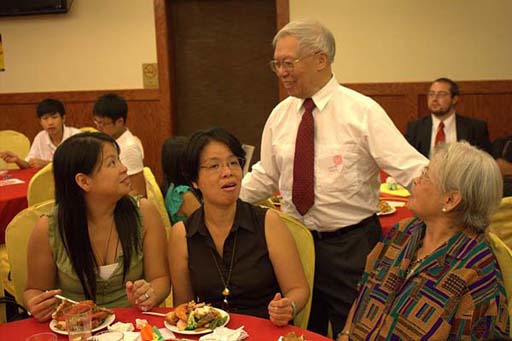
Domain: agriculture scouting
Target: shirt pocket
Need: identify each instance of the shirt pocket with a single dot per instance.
(337, 168)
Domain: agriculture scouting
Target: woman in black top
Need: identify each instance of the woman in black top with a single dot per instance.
(229, 253)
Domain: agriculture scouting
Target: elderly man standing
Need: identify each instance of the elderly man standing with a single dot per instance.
(322, 148)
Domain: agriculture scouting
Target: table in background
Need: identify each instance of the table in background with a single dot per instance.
(388, 221)
(257, 328)
(13, 198)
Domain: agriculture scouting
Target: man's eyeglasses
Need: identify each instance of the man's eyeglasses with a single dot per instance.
(102, 123)
(216, 165)
(439, 94)
(287, 64)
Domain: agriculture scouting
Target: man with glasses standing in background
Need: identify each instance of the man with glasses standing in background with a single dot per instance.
(444, 125)
(322, 148)
(109, 115)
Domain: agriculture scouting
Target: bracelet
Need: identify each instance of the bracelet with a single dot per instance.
(343, 333)
(294, 310)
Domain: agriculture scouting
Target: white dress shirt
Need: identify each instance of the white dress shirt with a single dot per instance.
(43, 147)
(354, 137)
(450, 130)
(132, 152)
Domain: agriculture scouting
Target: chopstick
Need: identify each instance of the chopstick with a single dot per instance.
(153, 313)
(66, 299)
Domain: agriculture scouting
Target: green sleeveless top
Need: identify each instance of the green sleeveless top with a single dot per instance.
(110, 293)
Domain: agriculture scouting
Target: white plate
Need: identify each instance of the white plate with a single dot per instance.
(175, 329)
(108, 321)
(393, 210)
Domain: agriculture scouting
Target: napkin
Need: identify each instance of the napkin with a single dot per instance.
(225, 334)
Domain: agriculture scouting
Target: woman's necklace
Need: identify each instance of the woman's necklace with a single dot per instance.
(225, 282)
(104, 260)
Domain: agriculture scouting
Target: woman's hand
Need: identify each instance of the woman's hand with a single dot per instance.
(42, 306)
(280, 310)
(141, 294)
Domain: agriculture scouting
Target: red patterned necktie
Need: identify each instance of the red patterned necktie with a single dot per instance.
(440, 137)
(303, 194)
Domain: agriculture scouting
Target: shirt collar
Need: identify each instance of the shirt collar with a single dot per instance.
(242, 220)
(321, 97)
(448, 122)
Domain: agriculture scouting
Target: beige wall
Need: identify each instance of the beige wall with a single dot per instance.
(416, 40)
(99, 44)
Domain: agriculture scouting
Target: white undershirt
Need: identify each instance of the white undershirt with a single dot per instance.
(107, 270)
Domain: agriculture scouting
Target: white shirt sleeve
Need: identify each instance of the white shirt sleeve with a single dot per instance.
(390, 149)
(131, 157)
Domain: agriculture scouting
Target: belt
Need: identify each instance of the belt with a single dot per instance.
(343, 230)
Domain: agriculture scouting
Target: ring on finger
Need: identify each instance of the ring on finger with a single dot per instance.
(146, 295)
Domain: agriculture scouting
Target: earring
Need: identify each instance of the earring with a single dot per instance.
(444, 210)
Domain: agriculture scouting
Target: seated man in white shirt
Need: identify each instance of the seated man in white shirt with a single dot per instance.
(109, 114)
(51, 114)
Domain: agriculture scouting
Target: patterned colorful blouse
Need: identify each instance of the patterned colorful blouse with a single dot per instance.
(455, 293)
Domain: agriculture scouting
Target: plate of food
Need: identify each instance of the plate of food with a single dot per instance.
(195, 319)
(385, 208)
(101, 317)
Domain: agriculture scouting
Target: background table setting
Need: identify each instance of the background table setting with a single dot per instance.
(396, 198)
(13, 195)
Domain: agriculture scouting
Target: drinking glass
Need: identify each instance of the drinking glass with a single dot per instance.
(78, 322)
(42, 337)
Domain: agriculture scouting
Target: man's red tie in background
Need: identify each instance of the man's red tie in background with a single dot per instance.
(303, 194)
(440, 137)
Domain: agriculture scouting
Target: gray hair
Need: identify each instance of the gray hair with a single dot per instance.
(312, 36)
(473, 173)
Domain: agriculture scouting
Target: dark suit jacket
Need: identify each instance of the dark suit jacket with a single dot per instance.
(474, 131)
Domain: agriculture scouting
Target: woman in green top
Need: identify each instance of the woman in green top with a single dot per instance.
(99, 243)
(180, 200)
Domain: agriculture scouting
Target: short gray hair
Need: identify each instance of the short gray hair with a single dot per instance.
(312, 36)
(474, 174)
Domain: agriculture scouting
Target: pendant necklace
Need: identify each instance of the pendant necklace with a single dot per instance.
(225, 282)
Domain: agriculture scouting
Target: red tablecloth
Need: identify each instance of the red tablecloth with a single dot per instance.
(257, 328)
(13, 198)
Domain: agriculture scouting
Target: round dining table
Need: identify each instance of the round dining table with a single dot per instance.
(256, 328)
(13, 197)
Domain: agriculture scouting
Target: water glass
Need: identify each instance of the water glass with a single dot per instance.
(78, 322)
(42, 337)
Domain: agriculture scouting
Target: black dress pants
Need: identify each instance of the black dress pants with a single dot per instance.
(340, 258)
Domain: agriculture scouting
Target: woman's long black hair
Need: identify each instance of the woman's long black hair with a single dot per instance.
(82, 153)
(173, 151)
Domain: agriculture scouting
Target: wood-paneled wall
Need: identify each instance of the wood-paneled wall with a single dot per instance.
(488, 100)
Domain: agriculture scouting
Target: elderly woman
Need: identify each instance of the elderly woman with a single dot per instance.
(229, 253)
(434, 277)
(99, 243)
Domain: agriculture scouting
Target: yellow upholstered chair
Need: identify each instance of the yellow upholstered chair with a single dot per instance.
(42, 186)
(306, 247)
(15, 142)
(504, 257)
(16, 239)
(89, 129)
(501, 221)
(155, 195)
(3, 317)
